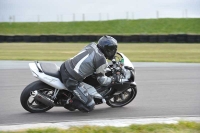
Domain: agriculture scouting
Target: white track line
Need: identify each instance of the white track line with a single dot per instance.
(107, 122)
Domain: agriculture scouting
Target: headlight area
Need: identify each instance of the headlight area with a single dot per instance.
(132, 78)
(132, 72)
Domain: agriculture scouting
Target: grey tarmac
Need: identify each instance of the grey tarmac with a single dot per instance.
(164, 90)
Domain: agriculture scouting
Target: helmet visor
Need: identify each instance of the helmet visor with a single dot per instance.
(110, 51)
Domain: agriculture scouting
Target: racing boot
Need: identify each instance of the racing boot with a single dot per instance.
(83, 101)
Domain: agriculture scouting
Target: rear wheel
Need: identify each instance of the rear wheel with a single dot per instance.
(123, 98)
(29, 103)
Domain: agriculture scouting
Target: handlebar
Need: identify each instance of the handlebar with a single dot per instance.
(118, 69)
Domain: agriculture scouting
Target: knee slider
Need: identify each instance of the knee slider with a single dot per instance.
(82, 107)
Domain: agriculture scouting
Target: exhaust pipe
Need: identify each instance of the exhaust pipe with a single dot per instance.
(42, 98)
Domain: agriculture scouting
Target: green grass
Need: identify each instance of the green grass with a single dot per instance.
(135, 52)
(141, 26)
(181, 127)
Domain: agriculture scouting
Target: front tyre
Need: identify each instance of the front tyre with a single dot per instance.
(124, 98)
(29, 103)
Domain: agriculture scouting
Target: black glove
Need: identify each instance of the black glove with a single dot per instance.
(115, 78)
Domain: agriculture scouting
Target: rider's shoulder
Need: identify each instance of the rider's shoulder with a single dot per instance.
(92, 44)
(94, 47)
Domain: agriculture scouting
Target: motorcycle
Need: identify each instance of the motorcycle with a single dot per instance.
(49, 91)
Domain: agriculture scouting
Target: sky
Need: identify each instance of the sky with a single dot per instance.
(73, 10)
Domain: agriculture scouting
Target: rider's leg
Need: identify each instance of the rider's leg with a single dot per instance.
(82, 99)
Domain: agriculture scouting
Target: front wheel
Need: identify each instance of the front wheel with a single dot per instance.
(29, 103)
(124, 98)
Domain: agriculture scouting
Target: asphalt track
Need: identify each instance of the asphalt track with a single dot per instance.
(164, 89)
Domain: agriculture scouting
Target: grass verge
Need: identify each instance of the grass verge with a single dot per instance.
(189, 53)
(122, 27)
(181, 127)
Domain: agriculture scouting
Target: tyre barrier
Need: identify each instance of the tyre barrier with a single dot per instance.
(144, 38)
(191, 39)
(197, 38)
(153, 39)
(181, 38)
(2, 38)
(171, 38)
(135, 38)
(162, 38)
(43, 38)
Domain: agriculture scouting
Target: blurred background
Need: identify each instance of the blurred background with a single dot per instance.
(90, 10)
(149, 32)
(89, 17)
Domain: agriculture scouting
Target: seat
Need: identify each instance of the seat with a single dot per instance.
(50, 69)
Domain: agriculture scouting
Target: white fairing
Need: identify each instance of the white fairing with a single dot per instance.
(52, 81)
(128, 74)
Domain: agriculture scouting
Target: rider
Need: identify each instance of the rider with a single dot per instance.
(91, 59)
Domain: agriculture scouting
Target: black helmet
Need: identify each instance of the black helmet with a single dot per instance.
(108, 46)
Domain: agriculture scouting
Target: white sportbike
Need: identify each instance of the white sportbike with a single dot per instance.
(49, 91)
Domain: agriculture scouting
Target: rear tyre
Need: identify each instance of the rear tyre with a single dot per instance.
(123, 99)
(29, 103)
